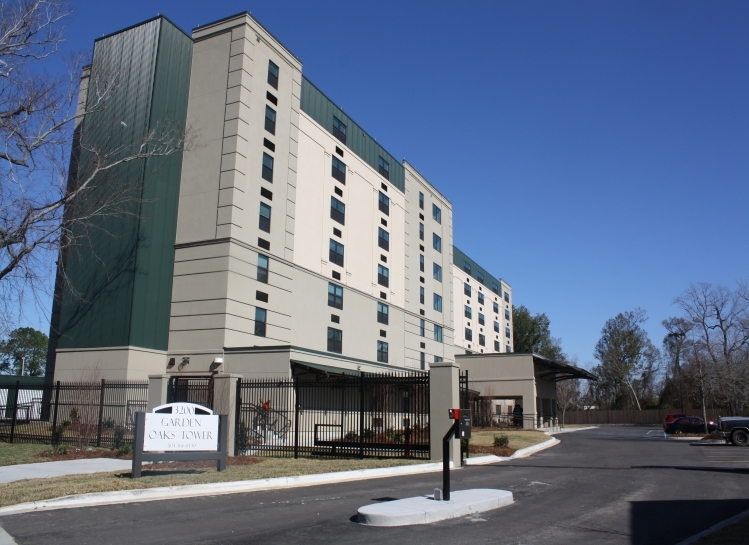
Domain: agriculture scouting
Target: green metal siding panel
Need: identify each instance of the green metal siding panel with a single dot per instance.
(123, 274)
(458, 259)
(320, 108)
(152, 291)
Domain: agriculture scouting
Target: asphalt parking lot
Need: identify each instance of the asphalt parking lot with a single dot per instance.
(622, 485)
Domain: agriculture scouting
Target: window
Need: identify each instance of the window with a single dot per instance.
(467, 266)
(496, 346)
(336, 275)
(261, 296)
(436, 213)
(270, 120)
(267, 167)
(496, 327)
(273, 74)
(480, 276)
(421, 200)
(468, 313)
(469, 335)
(481, 319)
(482, 340)
(421, 295)
(335, 296)
(266, 194)
(423, 361)
(383, 276)
(481, 298)
(421, 231)
(507, 314)
(268, 144)
(382, 351)
(438, 333)
(382, 313)
(272, 98)
(264, 217)
(336, 253)
(262, 268)
(436, 242)
(422, 327)
(508, 333)
(496, 308)
(507, 297)
(262, 243)
(335, 318)
(339, 170)
(384, 168)
(260, 316)
(335, 340)
(383, 239)
(338, 191)
(339, 129)
(437, 302)
(437, 359)
(437, 272)
(467, 289)
(337, 211)
(495, 288)
(384, 204)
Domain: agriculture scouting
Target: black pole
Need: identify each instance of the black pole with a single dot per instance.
(101, 413)
(140, 428)
(57, 402)
(223, 441)
(15, 411)
(452, 432)
(361, 415)
(237, 417)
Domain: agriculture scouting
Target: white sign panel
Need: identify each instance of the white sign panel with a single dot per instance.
(181, 427)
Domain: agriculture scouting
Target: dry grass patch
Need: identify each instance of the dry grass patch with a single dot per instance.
(518, 439)
(181, 473)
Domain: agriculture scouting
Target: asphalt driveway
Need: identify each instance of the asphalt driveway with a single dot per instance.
(622, 485)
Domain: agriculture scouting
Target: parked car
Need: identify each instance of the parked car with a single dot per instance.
(671, 417)
(734, 429)
(689, 424)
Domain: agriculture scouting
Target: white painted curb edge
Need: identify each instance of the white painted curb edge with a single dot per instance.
(571, 430)
(522, 453)
(214, 489)
(728, 522)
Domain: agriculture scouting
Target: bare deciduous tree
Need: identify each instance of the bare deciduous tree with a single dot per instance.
(49, 200)
(568, 396)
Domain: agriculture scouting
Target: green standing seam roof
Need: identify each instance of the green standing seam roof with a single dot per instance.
(458, 259)
(320, 108)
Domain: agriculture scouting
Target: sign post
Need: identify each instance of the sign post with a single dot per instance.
(461, 429)
(179, 432)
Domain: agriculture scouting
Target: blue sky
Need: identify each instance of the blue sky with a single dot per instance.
(596, 153)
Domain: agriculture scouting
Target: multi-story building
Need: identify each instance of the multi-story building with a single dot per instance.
(286, 240)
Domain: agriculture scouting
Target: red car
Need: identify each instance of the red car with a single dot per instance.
(689, 424)
(671, 417)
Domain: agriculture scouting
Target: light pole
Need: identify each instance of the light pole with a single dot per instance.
(679, 338)
(23, 364)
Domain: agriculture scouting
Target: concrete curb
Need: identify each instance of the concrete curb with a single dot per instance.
(522, 453)
(571, 430)
(728, 522)
(424, 510)
(215, 489)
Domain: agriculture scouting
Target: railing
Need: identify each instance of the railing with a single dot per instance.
(82, 414)
(367, 415)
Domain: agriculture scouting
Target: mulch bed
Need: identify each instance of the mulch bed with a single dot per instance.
(497, 451)
(82, 454)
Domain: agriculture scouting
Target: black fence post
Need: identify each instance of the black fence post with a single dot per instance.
(296, 417)
(57, 402)
(101, 413)
(15, 411)
(238, 418)
(140, 428)
(361, 415)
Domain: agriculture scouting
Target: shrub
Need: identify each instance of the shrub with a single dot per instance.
(351, 436)
(108, 423)
(57, 432)
(119, 437)
(501, 441)
(394, 435)
(243, 437)
(125, 449)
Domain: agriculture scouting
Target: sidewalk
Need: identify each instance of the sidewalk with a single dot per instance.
(45, 470)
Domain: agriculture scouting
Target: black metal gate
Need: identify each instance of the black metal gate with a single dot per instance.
(345, 416)
(198, 390)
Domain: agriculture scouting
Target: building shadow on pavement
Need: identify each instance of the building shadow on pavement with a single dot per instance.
(664, 522)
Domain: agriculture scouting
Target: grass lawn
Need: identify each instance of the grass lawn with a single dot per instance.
(21, 453)
(258, 468)
(734, 534)
(518, 439)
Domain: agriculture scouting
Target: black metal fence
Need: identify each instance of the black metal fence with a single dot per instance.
(347, 416)
(81, 414)
(198, 390)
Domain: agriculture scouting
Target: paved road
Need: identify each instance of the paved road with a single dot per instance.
(610, 485)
